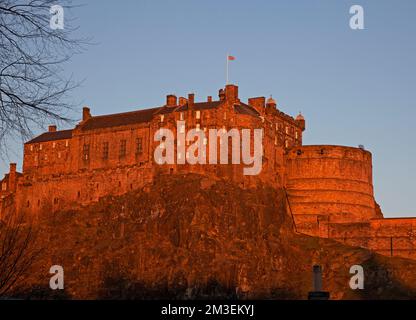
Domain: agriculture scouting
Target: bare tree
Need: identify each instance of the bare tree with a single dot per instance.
(33, 92)
(17, 251)
(33, 87)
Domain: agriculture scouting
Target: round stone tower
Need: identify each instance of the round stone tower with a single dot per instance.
(329, 183)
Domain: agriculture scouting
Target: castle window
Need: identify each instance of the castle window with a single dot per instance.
(287, 143)
(198, 127)
(46, 156)
(181, 116)
(31, 147)
(198, 114)
(105, 150)
(59, 155)
(139, 145)
(86, 152)
(287, 130)
(162, 117)
(225, 115)
(54, 145)
(4, 186)
(40, 147)
(296, 135)
(66, 143)
(122, 152)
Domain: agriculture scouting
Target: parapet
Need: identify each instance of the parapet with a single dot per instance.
(329, 151)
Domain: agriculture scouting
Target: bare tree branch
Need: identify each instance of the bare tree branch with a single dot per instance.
(33, 87)
(17, 250)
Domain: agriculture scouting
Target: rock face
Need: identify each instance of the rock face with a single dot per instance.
(189, 236)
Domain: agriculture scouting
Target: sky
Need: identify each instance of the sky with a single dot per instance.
(353, 86)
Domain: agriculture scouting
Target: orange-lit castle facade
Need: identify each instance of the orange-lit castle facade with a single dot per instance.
(329, 188)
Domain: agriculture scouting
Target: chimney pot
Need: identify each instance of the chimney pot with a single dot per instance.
(52, 128)
(12, 167)
(209, 98)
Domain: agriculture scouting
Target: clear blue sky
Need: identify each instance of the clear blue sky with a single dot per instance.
(354, 87)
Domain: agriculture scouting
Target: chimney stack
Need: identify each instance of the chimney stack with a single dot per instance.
(191, 100)
(221, 94)
(258, 103)
(231, 93)
(52, 128)
(86, 113)
(209, 98)
(171, 100)
(12, 177)
(182, 101)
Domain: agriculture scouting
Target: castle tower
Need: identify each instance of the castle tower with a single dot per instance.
(301, 121)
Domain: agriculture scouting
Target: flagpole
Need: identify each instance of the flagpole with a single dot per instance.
(226, 82)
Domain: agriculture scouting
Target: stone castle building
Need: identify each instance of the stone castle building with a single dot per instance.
(329, 188)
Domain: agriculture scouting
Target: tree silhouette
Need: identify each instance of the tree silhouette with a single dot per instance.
(33, 87)
(17, 250)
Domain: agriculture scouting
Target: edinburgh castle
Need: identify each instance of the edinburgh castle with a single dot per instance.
(328, 189)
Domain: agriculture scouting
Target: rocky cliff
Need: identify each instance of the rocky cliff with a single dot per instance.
(190, 236)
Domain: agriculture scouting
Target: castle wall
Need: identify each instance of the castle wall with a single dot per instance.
(57, 192)
(48, 157)
(387, 236)
(329, 183)
(105, 150)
